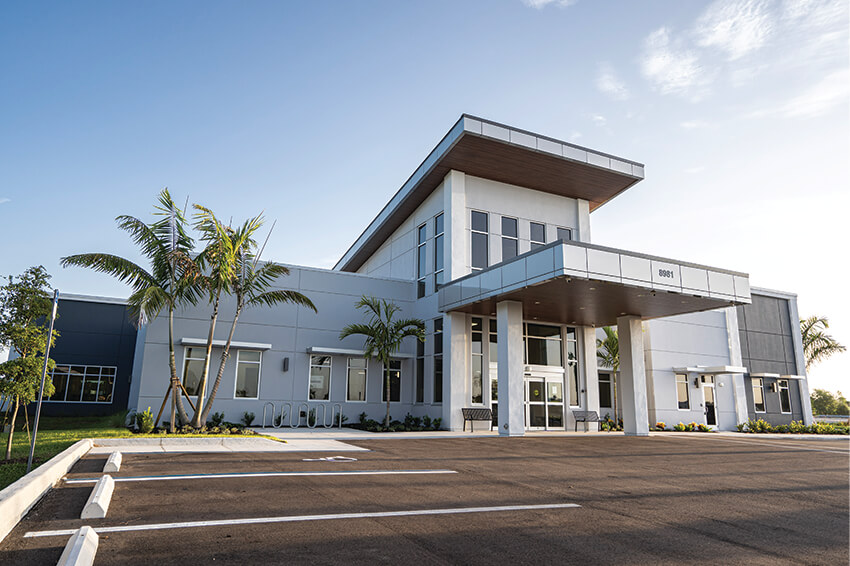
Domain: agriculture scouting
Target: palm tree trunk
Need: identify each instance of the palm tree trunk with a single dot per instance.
(175, 382)
(202, 386)
(225, 353)
(387, 378)
(11, 431)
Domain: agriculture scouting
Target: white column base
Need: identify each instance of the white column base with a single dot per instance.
(633, 376)
(511, 369)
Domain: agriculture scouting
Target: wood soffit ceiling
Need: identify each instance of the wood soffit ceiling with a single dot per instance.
(506, 163)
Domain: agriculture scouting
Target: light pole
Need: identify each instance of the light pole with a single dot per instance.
(43, 377)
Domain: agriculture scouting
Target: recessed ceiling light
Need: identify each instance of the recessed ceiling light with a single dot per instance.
(622, 313)
(581, 308)
(536, 302)
(684, 302)
(640, 295)
(592, 288)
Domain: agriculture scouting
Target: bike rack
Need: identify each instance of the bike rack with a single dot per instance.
(264, 413)
(295, 416)
(306, 414)
(283, 415)
(323, 407)
(336, 408)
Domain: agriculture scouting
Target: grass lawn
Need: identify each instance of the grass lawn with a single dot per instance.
(55, 434)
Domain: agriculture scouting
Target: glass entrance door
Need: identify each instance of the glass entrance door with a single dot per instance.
(535, 404)
(544, 402)
(708, 394)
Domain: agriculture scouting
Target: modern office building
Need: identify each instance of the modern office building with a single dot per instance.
(489, 242)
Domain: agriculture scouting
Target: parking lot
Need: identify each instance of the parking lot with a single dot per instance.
(658, 500)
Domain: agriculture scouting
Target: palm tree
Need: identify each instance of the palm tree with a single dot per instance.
(608, 350)
(171, 281)
(218, 261)
(817, 344)
(383, 334)
(250, 285)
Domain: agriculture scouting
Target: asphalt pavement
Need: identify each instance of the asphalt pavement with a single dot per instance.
(569, 500)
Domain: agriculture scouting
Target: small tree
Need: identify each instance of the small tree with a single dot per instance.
(608, 350)
(171, 281)
(817, 344)
(383, 334)
(24, 306)
(218, 262)
(825, 403)
(252, 286)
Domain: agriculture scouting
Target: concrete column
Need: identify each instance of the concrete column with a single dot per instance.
(511, 368)
(633, 376)
(800, 362)
(591, 371)
(583, 221)
(735, 359)
(455, 371)
(455, 220)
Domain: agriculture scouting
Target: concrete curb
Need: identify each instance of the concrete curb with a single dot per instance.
(17, 499)
(81, 548)
(113, 464)
(98, 502)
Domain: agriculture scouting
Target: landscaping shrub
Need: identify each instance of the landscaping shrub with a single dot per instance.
(661, 425)
(247, 418)
(216, 419)
(145, 421)
(410, 424)
(680, 427)
(761, 426)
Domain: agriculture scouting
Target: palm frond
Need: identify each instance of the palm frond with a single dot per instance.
(280, 296)
(122, 269)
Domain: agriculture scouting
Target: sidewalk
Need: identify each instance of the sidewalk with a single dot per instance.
(295, 434)
(219, 444)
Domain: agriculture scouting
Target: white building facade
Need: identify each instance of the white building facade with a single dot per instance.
(489, 243)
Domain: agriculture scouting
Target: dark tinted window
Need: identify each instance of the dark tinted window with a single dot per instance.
(565, 234)
(479, 250)
(509, 248)
(538, 233)
(479, 221)
(509, 227)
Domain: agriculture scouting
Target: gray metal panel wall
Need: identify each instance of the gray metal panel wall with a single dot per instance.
(767, 346)
(96, 334)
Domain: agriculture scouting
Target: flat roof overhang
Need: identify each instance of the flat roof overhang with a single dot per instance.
(487, 149)
(588, 285)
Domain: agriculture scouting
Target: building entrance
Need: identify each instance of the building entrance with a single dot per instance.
(710, 402)
(544, 402)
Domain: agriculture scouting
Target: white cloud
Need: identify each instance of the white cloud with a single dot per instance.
(599, 120)
(4, 200)
(737, 28)
(671, 67)
(695, 170)
(693, 124)
(540, 4)
(833, 90)
(575, 136)
(608, 83)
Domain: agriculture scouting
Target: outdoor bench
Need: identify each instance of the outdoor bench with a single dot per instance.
(473, 414)
(585, 417)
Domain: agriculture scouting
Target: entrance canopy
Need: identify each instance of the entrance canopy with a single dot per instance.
(585, 284)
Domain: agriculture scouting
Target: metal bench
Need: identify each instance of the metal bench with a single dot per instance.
(473, 414)
(585, 417)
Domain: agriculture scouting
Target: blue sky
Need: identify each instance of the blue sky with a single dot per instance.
(316, 113)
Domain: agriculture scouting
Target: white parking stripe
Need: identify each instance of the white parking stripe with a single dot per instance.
(778, 445)
(297, 518)
(266, 474)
